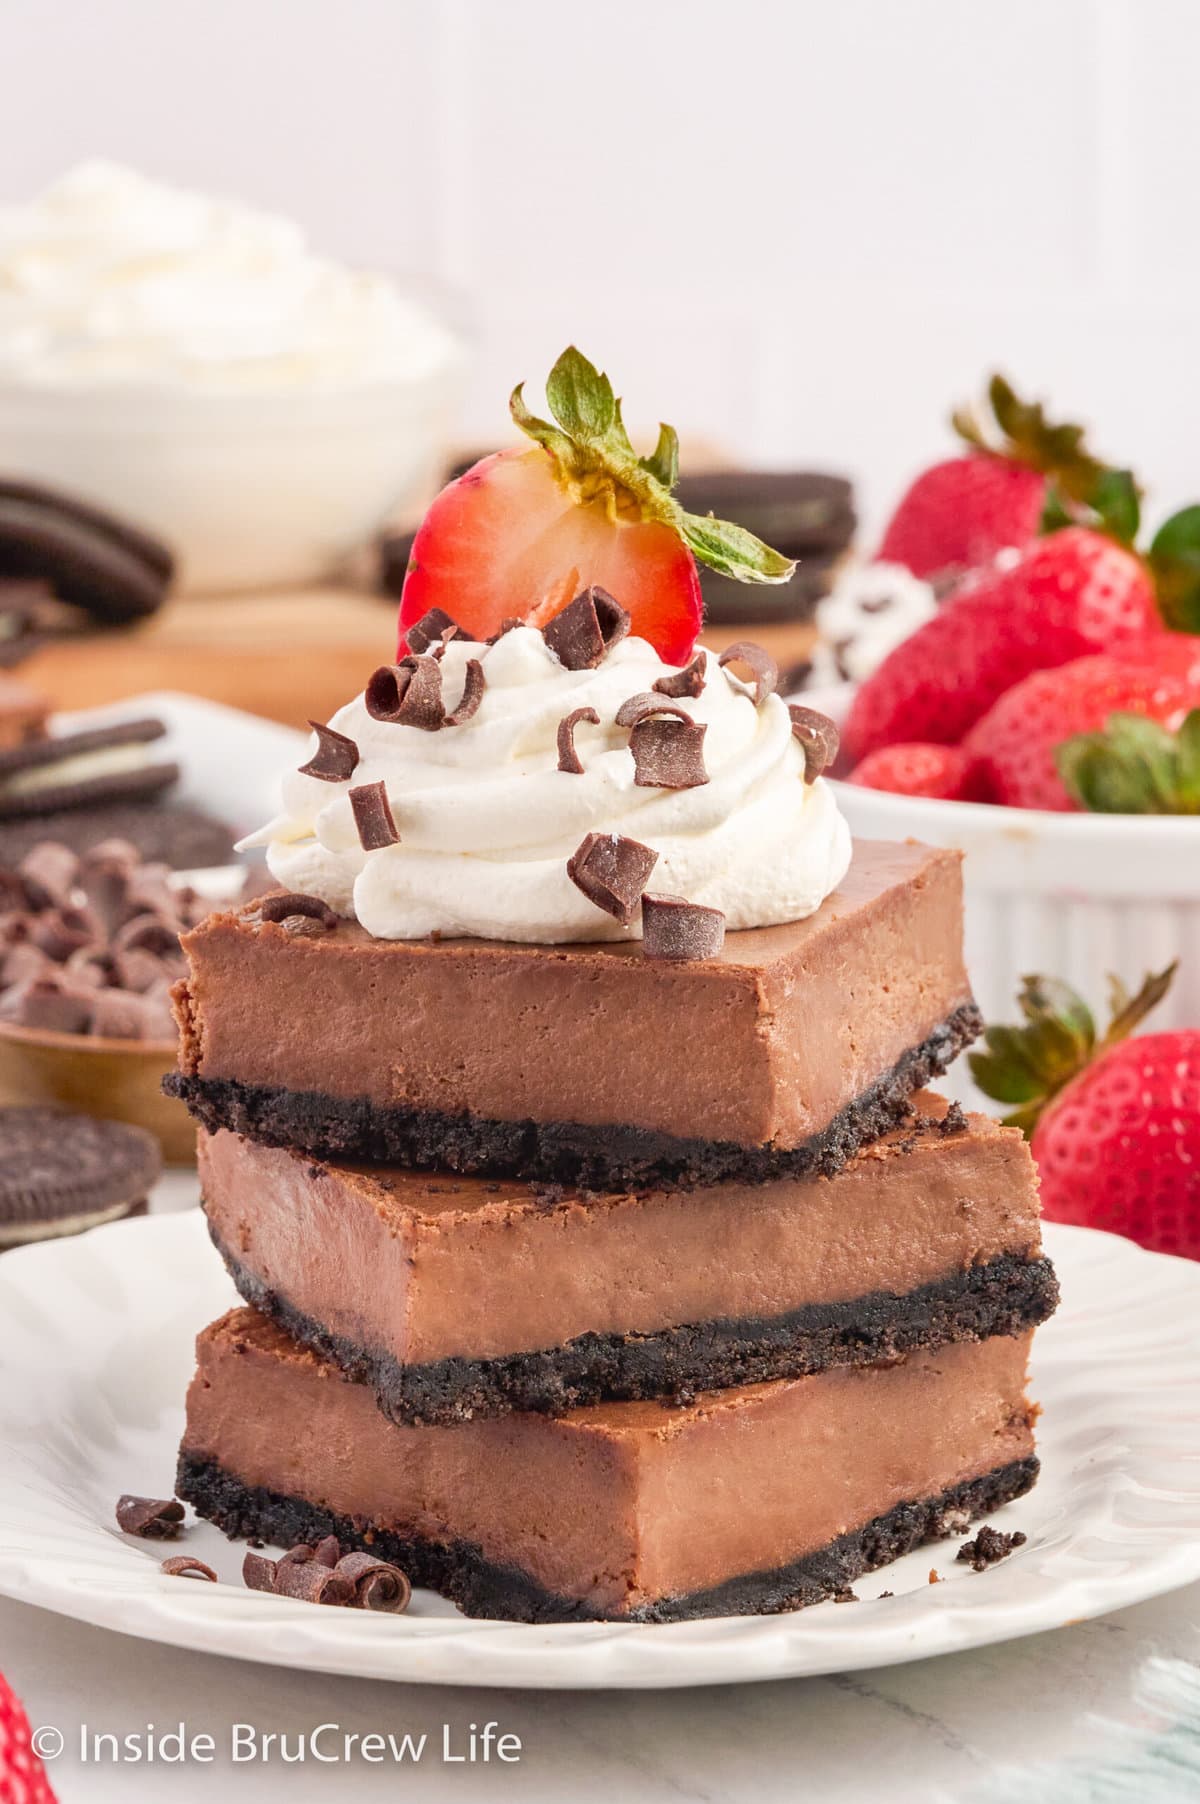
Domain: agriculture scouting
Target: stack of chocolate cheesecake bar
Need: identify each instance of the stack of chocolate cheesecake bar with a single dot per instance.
(589, 1285)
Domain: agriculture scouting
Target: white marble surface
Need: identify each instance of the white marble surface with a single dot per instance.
(1088, 1712)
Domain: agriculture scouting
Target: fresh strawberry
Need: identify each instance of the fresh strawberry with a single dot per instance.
(1019, 470)
(1070, 594)
(1176, 654)
(22, 1776)
(522, 532)
(1115, 1122)
(1018, 739)
(945, 771)
(1133, 765)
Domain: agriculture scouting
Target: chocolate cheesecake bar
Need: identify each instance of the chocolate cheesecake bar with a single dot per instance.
(748, 1500)
(453, 1297)
(585, 1064)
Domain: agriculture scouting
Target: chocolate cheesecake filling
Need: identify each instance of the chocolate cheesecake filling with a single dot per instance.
(628, 1511)
(587, 1064)
(453, 1297)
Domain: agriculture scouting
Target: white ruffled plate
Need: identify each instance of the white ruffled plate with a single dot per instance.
(96, 1352)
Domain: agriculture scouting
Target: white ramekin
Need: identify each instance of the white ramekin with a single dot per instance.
(250, 489)
(1072, 895)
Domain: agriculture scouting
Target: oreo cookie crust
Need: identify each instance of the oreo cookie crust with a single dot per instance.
(461, 1571)
(60, 1173)
(76, 770)
(613, 1157)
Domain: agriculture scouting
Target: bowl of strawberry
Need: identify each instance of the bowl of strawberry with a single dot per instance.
(1045, 719)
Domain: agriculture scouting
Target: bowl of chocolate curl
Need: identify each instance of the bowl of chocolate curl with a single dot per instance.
(89, 950)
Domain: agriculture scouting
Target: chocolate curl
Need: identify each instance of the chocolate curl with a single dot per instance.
(761, 664)
(147, 933)
(586, 629)
(668, 753)
(612, 872)
(153, 1518)
(568, 757)
(432, 632)
(183, 1566)
(673, 928)
(258, 1572)
(290, 904)
(61, 931)
(819, 738)
(311, 1581)
(336, 757)
(408, 694)
(684, 682)
(373, 817)
(377, 1584)
(472, 695)
(48, 1003)
(329, 1551)
(50, 872)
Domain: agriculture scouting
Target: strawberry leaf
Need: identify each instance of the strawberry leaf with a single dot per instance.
(1174, 560)
(1030, 1064)
(1116, 502)
(732, 550)
(581, 398)
(663, 462)
(1080, 489)
(1134, 766)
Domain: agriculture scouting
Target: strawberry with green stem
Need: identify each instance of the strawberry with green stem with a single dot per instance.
(1019, 474)
(523, 531)
(1133, 765)
(1114, 1122)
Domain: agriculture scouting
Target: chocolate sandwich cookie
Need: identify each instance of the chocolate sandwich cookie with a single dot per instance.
(113, 570)
(162, 832)
(72, 770)
(61, 1173)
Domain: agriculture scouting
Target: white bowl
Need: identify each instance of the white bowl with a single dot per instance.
(250, 489)
(1072, 895)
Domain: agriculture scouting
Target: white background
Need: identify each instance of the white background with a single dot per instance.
(802, 227)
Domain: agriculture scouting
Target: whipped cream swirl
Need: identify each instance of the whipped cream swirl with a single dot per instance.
(107, 277)
(487, 821)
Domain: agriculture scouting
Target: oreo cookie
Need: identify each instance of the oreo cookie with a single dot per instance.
(113, 571)
(75, 770)
(61, 1173)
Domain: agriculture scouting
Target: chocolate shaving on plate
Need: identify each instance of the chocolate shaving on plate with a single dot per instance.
(568, 757)
(760, 663)
(183, 1566)
(328, 1551)
(153, 1518)
(408, 694)
(373, 817)
(819, 738)
(336, 756)
(472, 695)
(612, 871)
(433, 630)
(258, 1572)
(290, 904)
(377, 1584)
(689, 681)
(674, 928)
(586, 629)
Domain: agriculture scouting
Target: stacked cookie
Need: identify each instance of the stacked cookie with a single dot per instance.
(631, 1279)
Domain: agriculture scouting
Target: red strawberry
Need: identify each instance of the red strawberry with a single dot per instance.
(1016, 742)
(1072, 593)
(522, 532)
(921, 770)
(22, 1776)
(960, 513)
(1175, 653)
(1115, 1123)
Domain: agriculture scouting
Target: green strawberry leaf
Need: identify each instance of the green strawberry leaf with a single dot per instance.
(1116, 502)
(1031, 1064)
(581, 398)
(663, 462)
(598, 466)
(1174, 560)
(1134, 766)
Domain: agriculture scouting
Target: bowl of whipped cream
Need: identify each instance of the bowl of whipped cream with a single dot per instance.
(191, 364)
